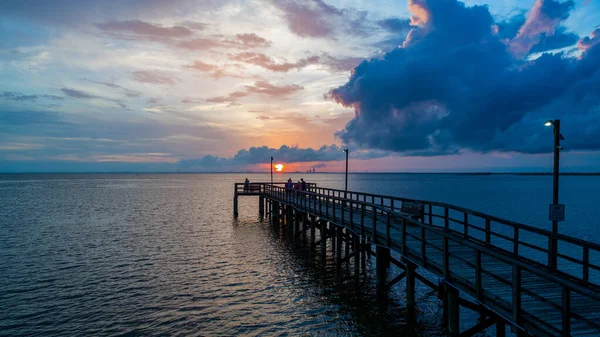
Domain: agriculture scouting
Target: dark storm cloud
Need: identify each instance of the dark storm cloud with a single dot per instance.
(396, 25)
(285, 154)
(560, 39)
(458, 84)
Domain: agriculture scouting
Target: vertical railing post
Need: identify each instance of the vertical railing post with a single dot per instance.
(374, 226)
(516, 240)
(423, 247)
(488, 231)
(446, 220)
(362, 220)
(586, 263)
(387, 230)
(430, 214)
(516, 294)
(478, 276)
(466, 224)
(566, 311)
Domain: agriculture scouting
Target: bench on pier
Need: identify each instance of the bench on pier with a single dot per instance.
(413, 209)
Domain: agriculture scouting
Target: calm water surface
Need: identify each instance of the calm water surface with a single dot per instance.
(161, 255)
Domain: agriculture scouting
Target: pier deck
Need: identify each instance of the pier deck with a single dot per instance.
(500, 265)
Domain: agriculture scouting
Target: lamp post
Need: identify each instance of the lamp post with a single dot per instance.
(346, 183)
(271, 171)
(552, 254)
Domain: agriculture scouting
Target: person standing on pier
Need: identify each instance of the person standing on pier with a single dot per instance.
(246, 183)
(298, 188)
(303, 184)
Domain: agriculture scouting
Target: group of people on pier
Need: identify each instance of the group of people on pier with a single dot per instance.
(299, 186)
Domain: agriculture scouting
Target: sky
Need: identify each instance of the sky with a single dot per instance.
(216, 85)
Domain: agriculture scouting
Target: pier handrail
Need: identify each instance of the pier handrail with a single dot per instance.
(517, 229)
(519, 283)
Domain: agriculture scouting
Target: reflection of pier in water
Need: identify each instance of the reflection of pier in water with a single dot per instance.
(493, 266)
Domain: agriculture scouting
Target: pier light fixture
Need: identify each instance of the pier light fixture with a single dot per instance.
(346, 180)
(552, 245)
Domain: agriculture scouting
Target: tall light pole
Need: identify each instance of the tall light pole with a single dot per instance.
(552, 256)
(346, 183)
(271, 171)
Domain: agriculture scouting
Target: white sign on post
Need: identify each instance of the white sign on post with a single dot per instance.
(557, 212)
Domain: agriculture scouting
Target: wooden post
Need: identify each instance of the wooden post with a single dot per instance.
(261, 206)
(500, 329)
(347, 246)
(235, 205)
(382, 264)
(356, 251)
(453, 311)
(339, 241)
(410, 290)
(312, 231)
(323, 229)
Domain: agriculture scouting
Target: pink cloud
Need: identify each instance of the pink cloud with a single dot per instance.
(266, 62)
(544, 17)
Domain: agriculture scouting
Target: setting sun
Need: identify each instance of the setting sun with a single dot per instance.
(279, 167)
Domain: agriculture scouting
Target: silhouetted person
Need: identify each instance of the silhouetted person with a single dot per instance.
(246, 184)
(303, 184)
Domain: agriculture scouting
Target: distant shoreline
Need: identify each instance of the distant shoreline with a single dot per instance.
(278, 173)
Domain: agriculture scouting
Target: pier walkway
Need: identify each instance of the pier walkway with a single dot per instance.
(496, 267)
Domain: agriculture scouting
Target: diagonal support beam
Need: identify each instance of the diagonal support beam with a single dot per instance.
(396, 280)
(488, 322)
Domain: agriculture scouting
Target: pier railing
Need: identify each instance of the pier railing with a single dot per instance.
(503, 278)
(575, 256)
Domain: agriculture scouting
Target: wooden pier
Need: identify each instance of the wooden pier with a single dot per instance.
(496, 267)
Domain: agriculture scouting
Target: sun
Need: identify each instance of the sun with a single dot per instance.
(279, 167)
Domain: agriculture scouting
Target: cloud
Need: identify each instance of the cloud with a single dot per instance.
(153, 77)
(127, 92)
(212, 70)
(27, 118)
(396, 25)
(78, 94)
(542, 21)
(232, 97)
(144, 29)
(202, 67)
(315, 18)
(19, 97)
(239, 41)
(589, 41)
(262, 154)
(194, 25)
(560, 39)
(84, 95)
(83, 11)
(262, 60)
(266, 88)
(259, 87)
(458, 86)
(266, 62)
